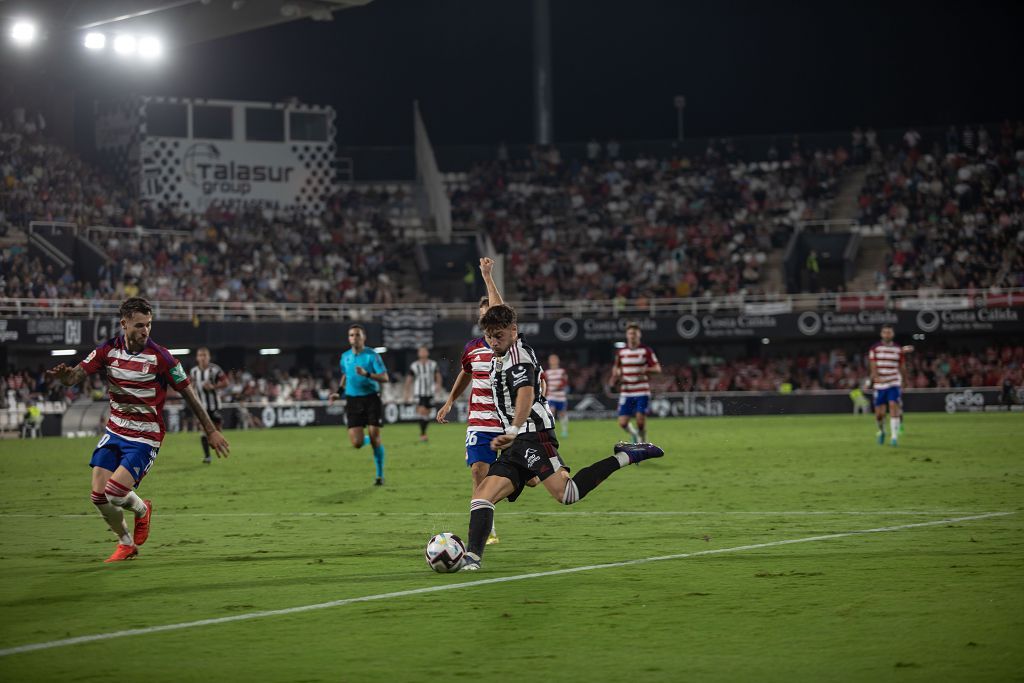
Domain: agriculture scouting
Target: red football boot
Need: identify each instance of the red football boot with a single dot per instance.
(141, 532)
(123, 552)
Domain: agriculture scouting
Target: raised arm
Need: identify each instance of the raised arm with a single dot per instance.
(493, 295)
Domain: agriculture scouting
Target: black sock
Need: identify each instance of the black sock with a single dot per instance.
(481, 519)
(206, 448)
(589, 478)
(423, 427)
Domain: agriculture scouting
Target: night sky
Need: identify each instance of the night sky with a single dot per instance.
(745, 67)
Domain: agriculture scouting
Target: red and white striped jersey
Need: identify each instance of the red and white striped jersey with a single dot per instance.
(886, 358)
(138, 387)
(476, 361)
(557, 382)
(634, 364)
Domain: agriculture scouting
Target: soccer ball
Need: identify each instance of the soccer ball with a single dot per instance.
(444, 553)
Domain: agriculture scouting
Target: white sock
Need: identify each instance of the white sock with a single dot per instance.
(622, 458)
(632, 432)
(894, 426)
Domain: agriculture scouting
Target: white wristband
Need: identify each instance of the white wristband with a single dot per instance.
(513, 430)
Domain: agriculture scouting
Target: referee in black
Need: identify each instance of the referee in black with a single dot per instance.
(208, 379)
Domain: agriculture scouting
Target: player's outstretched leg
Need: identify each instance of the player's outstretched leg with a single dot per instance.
(589, 478)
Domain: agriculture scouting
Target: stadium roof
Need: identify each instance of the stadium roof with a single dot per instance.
(180, 22)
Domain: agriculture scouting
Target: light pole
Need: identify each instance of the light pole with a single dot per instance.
(680, 104)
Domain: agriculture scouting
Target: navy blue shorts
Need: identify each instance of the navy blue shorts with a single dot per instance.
(557, 406)
(884, 397)
(633, 405)
(113, 451)
(478, 447)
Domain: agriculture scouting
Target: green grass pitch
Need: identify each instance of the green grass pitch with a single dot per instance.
(291, 519)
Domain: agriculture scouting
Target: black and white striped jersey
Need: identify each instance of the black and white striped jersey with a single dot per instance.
(515, 370)
(210, 398)
(423, 373)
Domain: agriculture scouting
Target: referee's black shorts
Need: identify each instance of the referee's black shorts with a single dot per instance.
(364, 411)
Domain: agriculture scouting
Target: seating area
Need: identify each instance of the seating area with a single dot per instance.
(952, 209)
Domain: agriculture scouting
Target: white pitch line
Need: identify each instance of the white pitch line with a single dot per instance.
(470, 584)
(527, 513)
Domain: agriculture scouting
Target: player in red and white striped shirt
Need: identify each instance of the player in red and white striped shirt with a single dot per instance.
(634, 364)
(887, 366)
(482, 424)
(556, 381)
(138, 371)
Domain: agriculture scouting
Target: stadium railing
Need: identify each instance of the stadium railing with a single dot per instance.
(933, 299)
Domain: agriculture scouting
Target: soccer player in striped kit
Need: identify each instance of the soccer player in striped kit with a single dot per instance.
(527, 444)
(208, 379)
(138, 372)
(634, 363)
(425, 378)
(556, 382)
(482, 424)
(886, 361)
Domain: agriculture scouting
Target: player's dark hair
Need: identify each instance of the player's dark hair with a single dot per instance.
(357, 326)
(135, 305)
(887, 326)
(633, 326)
(484, 301)
(498, 317)
(203, 348)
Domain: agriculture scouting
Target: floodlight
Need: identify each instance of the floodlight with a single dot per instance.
(125, 44)
(24, 33)
(95, 41)
(150, 47)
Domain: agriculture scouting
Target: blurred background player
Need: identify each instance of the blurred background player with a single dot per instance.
(634, 364)
(554, 387)
(423, 380)
(886, 362)
(208, 379)
(482, 425)
(138, 372)
(362, 371)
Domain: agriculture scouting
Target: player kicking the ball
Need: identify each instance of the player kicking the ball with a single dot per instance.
(527, 445)
(482, 424)
(138, 372)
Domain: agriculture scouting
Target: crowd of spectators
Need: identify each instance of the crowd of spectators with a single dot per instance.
(952, 209)
(352, 253)
(609, 228)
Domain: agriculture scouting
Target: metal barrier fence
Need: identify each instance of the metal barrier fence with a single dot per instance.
(531, 310)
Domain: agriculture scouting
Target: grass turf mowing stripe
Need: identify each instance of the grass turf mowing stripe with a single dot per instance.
(470, 584)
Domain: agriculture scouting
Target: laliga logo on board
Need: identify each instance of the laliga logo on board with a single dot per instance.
(288, 416)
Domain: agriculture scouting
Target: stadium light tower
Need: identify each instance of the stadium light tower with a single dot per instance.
(24, 32)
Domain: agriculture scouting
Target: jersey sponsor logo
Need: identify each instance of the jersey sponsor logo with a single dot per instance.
(178, 373)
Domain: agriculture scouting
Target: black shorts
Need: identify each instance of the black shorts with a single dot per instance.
(534, 454)
(364, 411)
(216, 417)
(425, 401)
